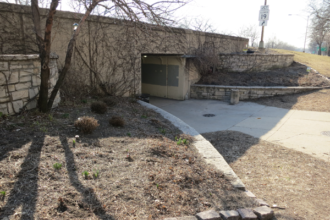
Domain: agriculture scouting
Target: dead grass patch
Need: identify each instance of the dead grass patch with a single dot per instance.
(309, 101)
(296, 181)
(146, 174)
(320, 63)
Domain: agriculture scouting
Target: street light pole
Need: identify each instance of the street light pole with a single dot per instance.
(306, 29)
(306, 34)
(261, 44)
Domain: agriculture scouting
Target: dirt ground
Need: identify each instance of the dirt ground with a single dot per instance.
(310, 101)
(297, 183)
(135, 172)
(294, 75)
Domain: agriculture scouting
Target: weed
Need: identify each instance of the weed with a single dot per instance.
(129, 134)
(1, 114)
(50, 117)
(162, 130)
(117, 121)
(85, 174)
(66, 115)
(74, 142)
(157, 185)
(84, 101)
(99, 107)
(144, 116)
(3, 193)
(57, 166)
(86, 124)
(96, 174)
(181, 141)
(43, 129)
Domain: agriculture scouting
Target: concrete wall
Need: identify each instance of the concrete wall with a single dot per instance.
(110, 47)
(20, 81)
(245, 92)
(254, 62)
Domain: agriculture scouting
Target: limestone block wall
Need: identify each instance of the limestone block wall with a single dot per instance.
(20, 81)
(245, 92)
(254, 62)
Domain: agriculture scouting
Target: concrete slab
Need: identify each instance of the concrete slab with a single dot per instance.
(299, 130)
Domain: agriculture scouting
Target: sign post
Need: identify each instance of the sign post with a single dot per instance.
(263, 20)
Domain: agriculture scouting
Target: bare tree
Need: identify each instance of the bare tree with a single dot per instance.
(132, 10)
(198, 24)
(250, 32)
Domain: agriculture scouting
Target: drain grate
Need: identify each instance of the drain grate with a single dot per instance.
(209, 115)
(326, 133)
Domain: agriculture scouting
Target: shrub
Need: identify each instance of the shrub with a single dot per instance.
(109, 101)
(99, 107)
(86, 124)
(117, 121)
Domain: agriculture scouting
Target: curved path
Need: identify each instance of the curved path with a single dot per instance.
(305, 131)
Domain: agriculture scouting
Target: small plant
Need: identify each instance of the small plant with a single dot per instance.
(85, 174)
(74, 142)
(50, 117)
(86, 124)
(1, 114)
(129, 134)
(99, 107)
(84, 101)
(96, 174)
(162, 130)
(3, 193)
(66, 115)
(144, 116)
(43, 129)
(181, 141)
(57, 166)
(109, 101)
(117, 121)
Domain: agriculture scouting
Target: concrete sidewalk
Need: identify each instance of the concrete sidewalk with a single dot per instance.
(304, 131)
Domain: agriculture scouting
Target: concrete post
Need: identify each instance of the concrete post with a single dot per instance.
(234, 96)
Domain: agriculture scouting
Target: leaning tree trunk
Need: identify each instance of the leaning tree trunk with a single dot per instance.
(68, 56)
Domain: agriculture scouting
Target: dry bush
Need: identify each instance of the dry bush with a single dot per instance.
(99, 107)
(86, 124)
(109, 101)
(117, 121)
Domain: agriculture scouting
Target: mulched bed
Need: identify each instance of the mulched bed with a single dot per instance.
(296, 182)
(135, 172)
(294, 75)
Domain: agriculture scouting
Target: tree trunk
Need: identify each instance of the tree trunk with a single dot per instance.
(320, 50)
(68, 56)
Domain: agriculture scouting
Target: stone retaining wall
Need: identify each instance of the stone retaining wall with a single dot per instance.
(254, 62)
(20, 81)
(245, 92)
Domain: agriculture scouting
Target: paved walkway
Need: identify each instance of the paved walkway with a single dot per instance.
(300, 130)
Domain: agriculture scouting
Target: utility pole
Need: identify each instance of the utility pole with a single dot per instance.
(261, 44)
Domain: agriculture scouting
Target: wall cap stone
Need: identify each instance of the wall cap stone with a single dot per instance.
(259, 87)
(13, 57)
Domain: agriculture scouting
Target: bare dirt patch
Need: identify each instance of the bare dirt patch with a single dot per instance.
(133, 172)
(309, 101)
(294, 75)
(296, 182)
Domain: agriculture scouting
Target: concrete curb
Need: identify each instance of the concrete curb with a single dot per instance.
(204, 147)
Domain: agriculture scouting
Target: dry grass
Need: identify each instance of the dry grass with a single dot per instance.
(110, 101)
(308, 101)
(141, 175)
(99, 107)
(117, 121)
(295, 181)
(86, 124)
(320, 63)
